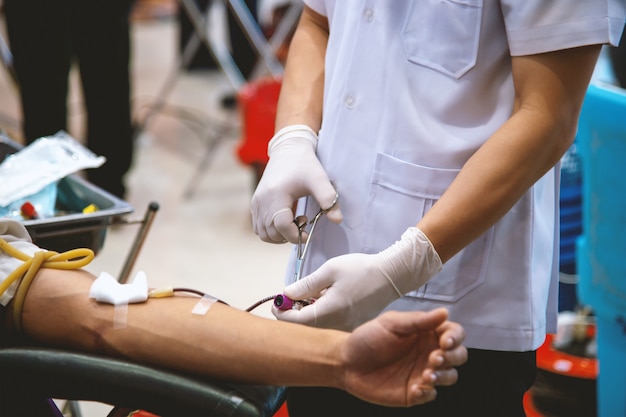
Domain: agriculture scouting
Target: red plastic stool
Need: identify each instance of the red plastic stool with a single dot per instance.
(257, 103)
(565, 383)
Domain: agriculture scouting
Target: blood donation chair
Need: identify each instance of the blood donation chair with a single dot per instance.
(30, 375)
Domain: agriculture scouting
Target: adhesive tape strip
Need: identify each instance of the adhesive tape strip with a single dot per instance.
(120, 316)
(203, 305)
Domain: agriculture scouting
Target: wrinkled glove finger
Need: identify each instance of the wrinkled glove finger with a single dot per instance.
(310, 286)
(326, 196)
(273, 236)
(284, 226)
(266, 234)
(265, 228)
(269, 232)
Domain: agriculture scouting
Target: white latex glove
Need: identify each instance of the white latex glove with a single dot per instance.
(356, 287)
(293, 171)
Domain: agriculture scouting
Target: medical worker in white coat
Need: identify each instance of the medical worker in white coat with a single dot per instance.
(440, 124)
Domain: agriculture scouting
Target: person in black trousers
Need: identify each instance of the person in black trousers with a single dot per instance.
(46, 37)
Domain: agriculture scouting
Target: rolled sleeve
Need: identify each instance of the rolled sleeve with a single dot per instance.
(319, 6)
(538, 26)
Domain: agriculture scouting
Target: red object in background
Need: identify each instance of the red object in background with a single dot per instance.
(28, 211)
(529, 407)
(142, 413)
(257, 104)
(282, 411)
(553, 361)
(558, 362)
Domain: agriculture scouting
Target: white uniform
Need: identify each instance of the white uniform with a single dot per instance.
(412, 90)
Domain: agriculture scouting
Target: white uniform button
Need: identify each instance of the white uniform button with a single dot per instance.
(349, 101)
(368, 14)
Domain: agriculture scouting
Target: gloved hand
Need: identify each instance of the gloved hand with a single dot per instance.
(356, 287)
(293, 171)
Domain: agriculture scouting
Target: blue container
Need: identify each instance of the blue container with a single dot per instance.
(570, 207)
(601, 260)
(570, 204)
(602, 249)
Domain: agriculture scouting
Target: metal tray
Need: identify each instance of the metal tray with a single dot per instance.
(73, 229)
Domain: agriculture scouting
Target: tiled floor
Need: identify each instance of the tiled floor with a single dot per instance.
(204, 241)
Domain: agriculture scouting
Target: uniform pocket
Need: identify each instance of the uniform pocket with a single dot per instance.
(443, 34)
(401, 194)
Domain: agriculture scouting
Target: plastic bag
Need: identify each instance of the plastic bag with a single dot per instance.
(32, 173)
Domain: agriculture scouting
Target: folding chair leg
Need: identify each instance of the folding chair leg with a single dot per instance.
(72, 408)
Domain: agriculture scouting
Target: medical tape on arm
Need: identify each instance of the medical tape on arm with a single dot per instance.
(106, 289)
(203, 305)
(120, 316)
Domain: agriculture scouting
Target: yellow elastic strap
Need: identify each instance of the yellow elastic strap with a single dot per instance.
(72, 259)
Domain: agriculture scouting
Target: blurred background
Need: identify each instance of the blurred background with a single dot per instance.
(201, 237)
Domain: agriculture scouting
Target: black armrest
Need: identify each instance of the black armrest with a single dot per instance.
(50, 373)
